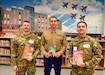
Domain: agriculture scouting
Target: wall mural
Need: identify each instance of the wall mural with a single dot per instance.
(68, 11)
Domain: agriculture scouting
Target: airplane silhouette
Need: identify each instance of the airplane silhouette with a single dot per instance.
(74, 6)
(65, 4)
(73, 16)
(82, 17)
(83, 8)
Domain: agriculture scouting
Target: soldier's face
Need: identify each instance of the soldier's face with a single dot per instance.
(81, 28)
(26, 27)
(53, 23)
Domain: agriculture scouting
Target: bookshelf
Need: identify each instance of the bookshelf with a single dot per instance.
(101, 65)
(39, 60)
(5, 49)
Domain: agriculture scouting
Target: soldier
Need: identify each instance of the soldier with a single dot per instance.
(53, 45)
(91, 52)
(25, 39)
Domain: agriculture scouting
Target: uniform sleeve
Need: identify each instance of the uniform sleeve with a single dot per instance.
(42, 43)
(64, 44)
(37, 48)
(14, 52)
(97, 51)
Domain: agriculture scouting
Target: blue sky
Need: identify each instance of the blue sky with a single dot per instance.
(54, 7)
(22, 3)
(17, 3)
(101, 1)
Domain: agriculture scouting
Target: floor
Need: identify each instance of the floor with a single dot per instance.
(7, 70)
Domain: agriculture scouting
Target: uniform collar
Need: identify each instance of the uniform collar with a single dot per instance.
(53, 31)
(83, 39)
(25, 35)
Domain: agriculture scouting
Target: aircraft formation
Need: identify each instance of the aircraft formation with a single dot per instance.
(75, 7)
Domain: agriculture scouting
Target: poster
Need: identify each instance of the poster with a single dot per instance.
(69, 13)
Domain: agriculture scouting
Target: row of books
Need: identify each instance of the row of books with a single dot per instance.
(4, 60)
(67, 63)
(39, 61)
(103, 45)
(4, 51)
(4, 43)
(68, 38)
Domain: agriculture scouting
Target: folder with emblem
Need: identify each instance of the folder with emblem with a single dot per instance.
(78, 57)
(27, 52)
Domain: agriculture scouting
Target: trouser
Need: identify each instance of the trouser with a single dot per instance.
(30, 70)
(56, 62)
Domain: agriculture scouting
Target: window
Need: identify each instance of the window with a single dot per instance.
(7, 16)
(19, 16)
(19, 22)
(4, 15)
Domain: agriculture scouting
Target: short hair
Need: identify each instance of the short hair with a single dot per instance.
(27, 21)
(82, 22)
(53, 17)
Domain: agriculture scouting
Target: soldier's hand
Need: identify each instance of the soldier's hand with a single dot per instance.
(15, 68)
(82, 65)
(57, 54)
(71, 61)
(47, 55)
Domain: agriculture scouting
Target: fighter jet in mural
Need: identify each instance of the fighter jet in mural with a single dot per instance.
(74, 6)
(65, 4)
(82, 17)
(83, 8)
(73, 16)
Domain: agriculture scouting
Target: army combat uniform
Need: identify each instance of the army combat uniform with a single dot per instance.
(92, 55)
(18, 45)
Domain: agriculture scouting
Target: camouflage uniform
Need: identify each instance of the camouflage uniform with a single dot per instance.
(92, 55)
(18, 45)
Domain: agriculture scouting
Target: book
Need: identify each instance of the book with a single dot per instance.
(77, 57)
(28, 51)
(52, 49)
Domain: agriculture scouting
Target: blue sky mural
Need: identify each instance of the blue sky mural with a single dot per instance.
(68, 11)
